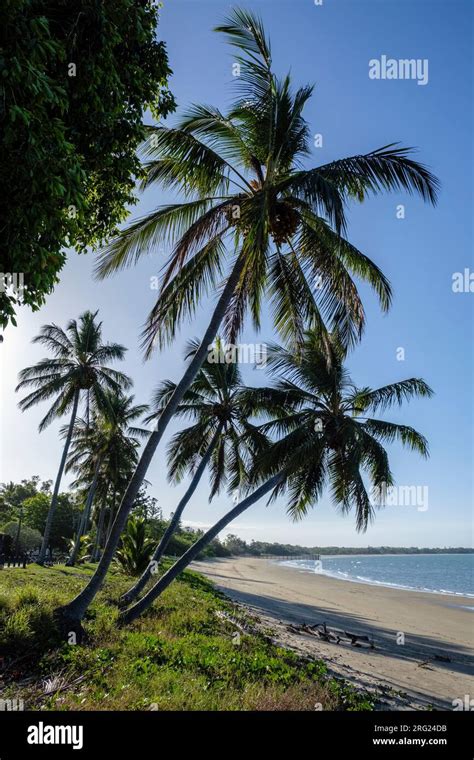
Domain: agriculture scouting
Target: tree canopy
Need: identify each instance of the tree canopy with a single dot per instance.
(76, 77)
(12, 495)
(65, 518)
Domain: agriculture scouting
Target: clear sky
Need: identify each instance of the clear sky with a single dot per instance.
(331, 46)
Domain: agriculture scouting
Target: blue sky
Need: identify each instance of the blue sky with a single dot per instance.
(331, 46)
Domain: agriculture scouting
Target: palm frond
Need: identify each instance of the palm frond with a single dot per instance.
(390, 432)
(353, 259)
(395, 393)
(387, 168)
(161, 226)
(220, 132)
(182, 162)
(179, 299)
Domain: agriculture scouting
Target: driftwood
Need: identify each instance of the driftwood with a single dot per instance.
(333, 635)
(425, 664)
(241, 626)
(58, 683)
(438, 657)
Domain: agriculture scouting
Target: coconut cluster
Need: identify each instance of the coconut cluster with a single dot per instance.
(283, 222)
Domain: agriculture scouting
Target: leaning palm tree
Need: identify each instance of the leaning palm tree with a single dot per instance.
(254, 223)
(220, 437)
(79, 366)
(328, 438)
(94, 444)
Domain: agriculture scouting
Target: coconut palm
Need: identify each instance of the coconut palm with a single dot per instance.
(84, 437)
(254, 223)
(119, 471)
(110, 435)
(113, 478)
(221, 436)
(79, 365)
(83, 552)
(326, 438)
(133, 556)
(100, 514)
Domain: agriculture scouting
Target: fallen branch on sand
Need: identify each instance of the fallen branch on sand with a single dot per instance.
(241, 625)
(333, 635)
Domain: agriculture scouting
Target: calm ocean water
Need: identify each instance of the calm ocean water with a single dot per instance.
(440, 573)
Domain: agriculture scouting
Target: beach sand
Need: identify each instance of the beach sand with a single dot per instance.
(412, 675)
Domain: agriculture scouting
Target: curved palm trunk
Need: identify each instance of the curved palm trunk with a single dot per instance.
(54, 498)
(146, 601)
(132, 593)
(85, 516)
(75, 610)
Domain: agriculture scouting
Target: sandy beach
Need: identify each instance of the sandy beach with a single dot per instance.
(433, 666)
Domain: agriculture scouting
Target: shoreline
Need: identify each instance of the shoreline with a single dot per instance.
(422, 653)
(372, 582)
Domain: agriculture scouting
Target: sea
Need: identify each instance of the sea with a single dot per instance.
(435, 573)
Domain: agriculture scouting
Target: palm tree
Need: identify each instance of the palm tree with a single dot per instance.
(221, 436)
(79, 365)
(83, 553)
(95, 444)
(254, 220)
(328, 439)
(88, 478)
(133, 556)
(113, 479)
(101, 513)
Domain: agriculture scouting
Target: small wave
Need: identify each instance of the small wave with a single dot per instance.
(309, 566)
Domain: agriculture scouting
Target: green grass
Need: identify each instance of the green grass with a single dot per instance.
(179, 656)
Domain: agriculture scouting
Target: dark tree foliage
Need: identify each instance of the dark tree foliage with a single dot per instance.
(76, 77)
(237, 546)
(65, 521)
(6, 544)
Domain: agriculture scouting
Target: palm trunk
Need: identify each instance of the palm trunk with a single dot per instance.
(85, 516)
(18, 533)
(75, 610)
(98, 538)
(54, 499)
(132, 593)
(146, 601)
(111, 519)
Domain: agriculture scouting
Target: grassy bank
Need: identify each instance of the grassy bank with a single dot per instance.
(187, 653)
